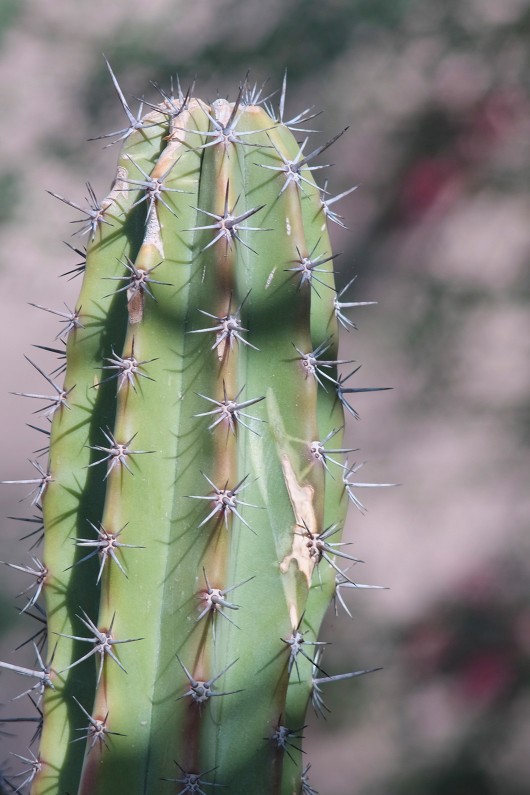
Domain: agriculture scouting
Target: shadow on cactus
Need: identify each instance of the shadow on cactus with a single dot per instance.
(197, 483)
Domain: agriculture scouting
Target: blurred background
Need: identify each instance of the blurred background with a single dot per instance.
(436, 96)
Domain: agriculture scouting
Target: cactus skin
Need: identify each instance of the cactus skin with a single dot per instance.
(182, 310)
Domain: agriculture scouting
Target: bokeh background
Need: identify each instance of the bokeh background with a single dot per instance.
(436, 96)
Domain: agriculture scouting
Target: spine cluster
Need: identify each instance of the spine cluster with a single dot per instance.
(197, 482)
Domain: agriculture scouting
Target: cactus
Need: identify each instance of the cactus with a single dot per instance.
(197, 483)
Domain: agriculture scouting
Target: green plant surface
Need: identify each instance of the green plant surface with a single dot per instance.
(197, 483)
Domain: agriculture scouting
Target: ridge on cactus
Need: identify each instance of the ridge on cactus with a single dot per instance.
(196, 484)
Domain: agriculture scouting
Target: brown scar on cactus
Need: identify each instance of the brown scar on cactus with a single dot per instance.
(302, 500)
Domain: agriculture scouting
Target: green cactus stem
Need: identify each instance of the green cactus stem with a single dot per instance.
(197, 481)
